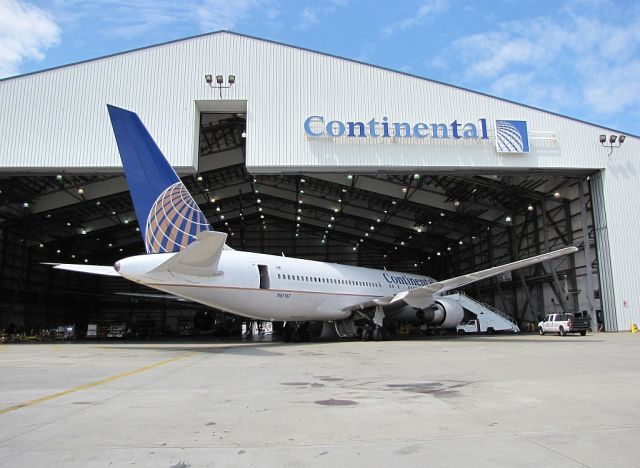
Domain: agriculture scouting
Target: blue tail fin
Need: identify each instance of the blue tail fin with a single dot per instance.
(168, 216)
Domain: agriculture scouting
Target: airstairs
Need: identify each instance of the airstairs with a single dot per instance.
(490, 318)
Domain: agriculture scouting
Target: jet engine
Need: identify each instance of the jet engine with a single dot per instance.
(444, 313)
(447, 313)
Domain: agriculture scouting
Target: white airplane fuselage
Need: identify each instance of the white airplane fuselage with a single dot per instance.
(291, 289)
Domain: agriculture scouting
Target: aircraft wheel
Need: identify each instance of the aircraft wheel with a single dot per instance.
(377, 334)
(583, 332)
(367, 334)
(287, 334)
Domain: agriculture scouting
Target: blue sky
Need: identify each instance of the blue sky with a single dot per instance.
(580, 58)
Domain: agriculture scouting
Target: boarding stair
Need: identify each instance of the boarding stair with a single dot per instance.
(485, 313)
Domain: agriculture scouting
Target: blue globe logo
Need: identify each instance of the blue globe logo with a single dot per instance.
(173, 221)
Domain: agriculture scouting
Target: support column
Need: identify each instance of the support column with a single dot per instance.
(572, 259)
(587, 258)
(557, 290)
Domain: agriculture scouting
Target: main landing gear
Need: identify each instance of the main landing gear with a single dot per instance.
(295, 332)
(373, 332)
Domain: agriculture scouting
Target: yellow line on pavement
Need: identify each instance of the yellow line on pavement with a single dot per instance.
(3, 347)
(91, 385)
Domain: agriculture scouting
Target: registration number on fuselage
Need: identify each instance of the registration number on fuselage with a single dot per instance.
(284, 295)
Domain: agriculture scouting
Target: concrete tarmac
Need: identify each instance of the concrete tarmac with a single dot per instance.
(503, 401)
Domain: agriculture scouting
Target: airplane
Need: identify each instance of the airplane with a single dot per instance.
(187, 259)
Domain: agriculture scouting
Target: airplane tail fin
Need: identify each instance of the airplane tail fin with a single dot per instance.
(168, 216)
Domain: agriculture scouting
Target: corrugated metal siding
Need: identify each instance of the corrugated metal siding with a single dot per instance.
(58, 118)
(607, 290)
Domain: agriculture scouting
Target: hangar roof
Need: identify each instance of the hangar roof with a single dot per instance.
(80, 62)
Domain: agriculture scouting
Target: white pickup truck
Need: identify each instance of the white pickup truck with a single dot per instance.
(563, 324)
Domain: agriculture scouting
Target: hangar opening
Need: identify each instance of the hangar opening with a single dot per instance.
(435, 223)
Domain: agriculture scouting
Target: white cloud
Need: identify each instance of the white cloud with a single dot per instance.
(224, 14)
(367, 52)
(142, 18)
(310, 16)
(579, 59)
(428, 8)
(26, 31)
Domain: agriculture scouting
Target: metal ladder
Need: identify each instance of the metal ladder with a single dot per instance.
(485, 305)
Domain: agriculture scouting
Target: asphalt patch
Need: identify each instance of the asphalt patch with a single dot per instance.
(335, 402)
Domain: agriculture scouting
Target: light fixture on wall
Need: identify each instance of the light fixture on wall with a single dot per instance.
(614, 141)
(231, 80)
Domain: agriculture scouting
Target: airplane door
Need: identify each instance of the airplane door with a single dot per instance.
(265, 282)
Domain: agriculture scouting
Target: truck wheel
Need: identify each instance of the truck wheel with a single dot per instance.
(461, 332)
(490, 331)
(583, 332)
(540, 331)
(562, 331)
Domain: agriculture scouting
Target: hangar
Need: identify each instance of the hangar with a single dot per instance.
(305, 154)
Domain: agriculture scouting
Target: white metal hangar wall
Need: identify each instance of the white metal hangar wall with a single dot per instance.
(56, 120)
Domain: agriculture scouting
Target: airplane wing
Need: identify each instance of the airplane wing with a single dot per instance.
(103, 270)
(423, 296)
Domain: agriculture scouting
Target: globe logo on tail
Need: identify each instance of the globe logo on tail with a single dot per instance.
(173, 221)
(512, 136)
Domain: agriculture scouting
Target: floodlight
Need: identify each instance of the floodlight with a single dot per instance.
(232, 79)
(622, 138)
(603, 138)
(208, 79)
(219, 79)
(613, 138)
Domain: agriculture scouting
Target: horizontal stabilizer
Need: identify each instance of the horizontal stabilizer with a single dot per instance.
(170, 297)
(102, 270)
(200, 258)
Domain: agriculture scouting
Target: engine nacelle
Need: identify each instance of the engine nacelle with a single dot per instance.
(447, 313)
(444, 313)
